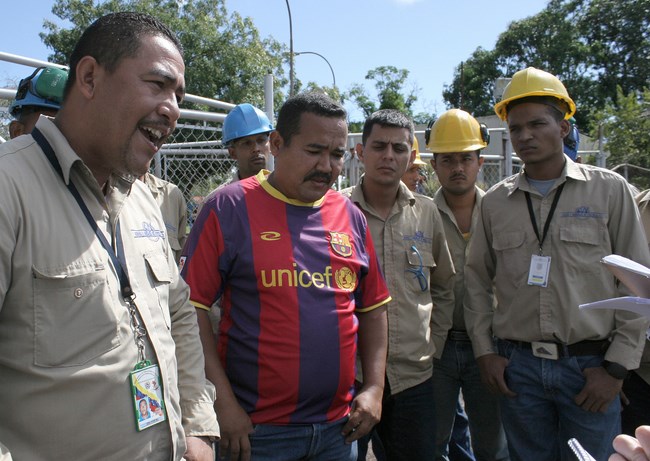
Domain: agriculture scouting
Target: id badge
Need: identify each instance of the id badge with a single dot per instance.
(147, 395)
(539, 268)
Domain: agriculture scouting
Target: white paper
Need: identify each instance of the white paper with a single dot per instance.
(628, 303)
(635, 276)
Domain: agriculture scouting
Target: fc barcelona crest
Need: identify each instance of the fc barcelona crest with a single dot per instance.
(340, 243)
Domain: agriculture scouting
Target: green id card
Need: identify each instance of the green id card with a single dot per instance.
(147, 394)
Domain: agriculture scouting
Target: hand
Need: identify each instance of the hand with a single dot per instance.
(599, 391)
(198, 449)
(632, 449)
(365, 413)
(235, 426)
(492, 368)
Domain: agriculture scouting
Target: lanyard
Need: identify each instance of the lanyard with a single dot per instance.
(547, 224)
(118, 260)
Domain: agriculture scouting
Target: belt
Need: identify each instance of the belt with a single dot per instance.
(598, 347)
(458, 335)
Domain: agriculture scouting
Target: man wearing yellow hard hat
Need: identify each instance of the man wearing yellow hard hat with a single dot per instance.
(456, 140)
(539, 242)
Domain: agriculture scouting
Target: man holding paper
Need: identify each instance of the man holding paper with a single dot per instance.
(540, 239)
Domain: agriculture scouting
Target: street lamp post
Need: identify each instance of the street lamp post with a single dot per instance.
(324, 59)
(291, 89)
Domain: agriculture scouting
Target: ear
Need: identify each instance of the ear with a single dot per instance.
(412, 157)
(88, 71)
(433, 161)
(565, 127)
(231, 152)
(16, 129)
(480, 161)
(359, 151)
(276, 142)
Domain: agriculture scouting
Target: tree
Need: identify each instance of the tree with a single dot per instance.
(591, 45)
(227, 58)
(472, 89)
(626, 129)
(389, 83)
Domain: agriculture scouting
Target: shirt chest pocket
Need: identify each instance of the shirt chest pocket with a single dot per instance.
(420, 264)
(74, 319)
(512, 257)
(160, 276)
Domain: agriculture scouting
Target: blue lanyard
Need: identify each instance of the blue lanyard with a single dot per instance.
(119, 262)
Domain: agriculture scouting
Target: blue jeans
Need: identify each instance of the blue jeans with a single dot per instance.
(637, 412)
(543, 416)
(457, 369)
(460, 445)
(407, 422)
(313, 442)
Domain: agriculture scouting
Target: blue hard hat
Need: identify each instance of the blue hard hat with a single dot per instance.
(245, 120)
(44, 88)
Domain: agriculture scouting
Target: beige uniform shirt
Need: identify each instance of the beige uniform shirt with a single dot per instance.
(643, 201)
(458, 247)
(173, 207)
(66, 345)
(413, 337)
(595, 216)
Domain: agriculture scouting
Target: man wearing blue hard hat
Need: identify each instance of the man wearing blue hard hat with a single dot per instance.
(40, 93)
(246, 131)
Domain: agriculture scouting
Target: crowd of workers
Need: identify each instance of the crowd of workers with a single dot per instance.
(296, 322)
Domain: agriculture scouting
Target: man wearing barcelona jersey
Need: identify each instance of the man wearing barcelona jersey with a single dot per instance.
(295, 268)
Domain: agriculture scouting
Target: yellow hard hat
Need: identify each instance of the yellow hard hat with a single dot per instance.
(534, 82)
(416, 147)
(457, 131)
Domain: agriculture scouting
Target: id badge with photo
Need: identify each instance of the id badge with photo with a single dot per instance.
(539, 269)
(147, 395)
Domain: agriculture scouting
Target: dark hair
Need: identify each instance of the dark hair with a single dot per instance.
(114, 37)
(387, 118)
(314, 102)
(556, 107)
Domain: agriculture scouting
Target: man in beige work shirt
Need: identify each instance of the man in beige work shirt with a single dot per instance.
(83, 343)
(542, 234)
(637, 386)
(456, 140)
(411, 247)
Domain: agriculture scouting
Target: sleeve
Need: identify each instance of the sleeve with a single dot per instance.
(10, 219)
(200, 261)
(441, 287)
(374, 292)
(197, 394)
(479, 275)
(628, 239)
(181, 207)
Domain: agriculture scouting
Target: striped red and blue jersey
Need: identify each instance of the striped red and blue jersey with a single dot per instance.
(290, 277)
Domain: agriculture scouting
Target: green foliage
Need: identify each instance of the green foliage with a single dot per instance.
(225, 57)
(591, 45)
(389, 82)
(626, 129)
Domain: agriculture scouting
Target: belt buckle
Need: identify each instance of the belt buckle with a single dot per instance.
(545, 350)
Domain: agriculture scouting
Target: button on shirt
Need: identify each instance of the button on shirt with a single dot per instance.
(413, 337)
(595, 216)
(66, 345)
(458, 246)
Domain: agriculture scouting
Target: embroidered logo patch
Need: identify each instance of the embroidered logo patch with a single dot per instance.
(270, 236)
(345, 279)
(148, 232)
(584, 213)
(340, 243)
(418, 237)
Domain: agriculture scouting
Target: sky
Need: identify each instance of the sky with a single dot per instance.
(429, 38)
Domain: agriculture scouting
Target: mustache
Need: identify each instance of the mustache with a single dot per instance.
(318, 175)
(458, 176)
